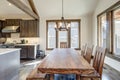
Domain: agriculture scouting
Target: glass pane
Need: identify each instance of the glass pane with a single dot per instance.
(117, 32)
(62, 37)
(51, 35)
(74, 35)
(103, 30)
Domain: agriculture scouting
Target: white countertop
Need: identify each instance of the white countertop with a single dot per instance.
(8, 50)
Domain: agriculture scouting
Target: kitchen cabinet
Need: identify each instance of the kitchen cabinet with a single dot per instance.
(0, 29)
(23, 28)
(8, 22)
(6, 35)
(29, 28)
(23, 52)
(30, 51)
(2, 25)
(12, 22)
(27, 51)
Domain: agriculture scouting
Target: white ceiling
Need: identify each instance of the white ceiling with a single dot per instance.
(72, 8)
(49, 8)
(12, 12)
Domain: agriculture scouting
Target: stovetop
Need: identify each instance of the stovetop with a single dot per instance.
(7, 45)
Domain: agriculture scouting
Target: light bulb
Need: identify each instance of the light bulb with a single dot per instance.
(9, 4)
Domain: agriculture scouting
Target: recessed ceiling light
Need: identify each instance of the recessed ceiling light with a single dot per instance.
(9, 4)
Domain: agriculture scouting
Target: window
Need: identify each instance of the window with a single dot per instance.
(51, 35)
(62, 37)
(116, 34)
(74, 35)
(109, 29)
(71, 37)
(102, 30)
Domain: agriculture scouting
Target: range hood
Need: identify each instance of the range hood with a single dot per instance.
(10, 29)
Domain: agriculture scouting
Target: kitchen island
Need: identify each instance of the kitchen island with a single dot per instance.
(9, 63)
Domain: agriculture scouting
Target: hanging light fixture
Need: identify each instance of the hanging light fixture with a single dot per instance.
(62, 25)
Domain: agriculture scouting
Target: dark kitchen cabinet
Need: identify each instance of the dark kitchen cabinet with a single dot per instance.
(23, 52)
(30, 51)
(29, 28)
(27, 52)
(23, 28)
(13, 22)
(6, 35)
(33, 28)
(0, 29)
(9, 22)
(2, 25)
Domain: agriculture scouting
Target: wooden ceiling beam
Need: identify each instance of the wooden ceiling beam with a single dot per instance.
(24, 8)
(32, 5)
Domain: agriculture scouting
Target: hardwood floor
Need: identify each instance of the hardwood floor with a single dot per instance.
(110, 74)
(26, 66)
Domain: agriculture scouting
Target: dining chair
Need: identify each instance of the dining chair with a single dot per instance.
(98, 62)
(63, 45)
(88, 53)
(83, 49)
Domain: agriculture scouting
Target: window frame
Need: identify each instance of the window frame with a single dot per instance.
(109, 16)
(69, 37)
(99, 29)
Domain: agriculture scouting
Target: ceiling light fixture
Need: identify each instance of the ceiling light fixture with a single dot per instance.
(9, 4)
(62, 25)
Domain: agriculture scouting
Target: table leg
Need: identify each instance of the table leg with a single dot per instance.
(51, 76)
(77, 77)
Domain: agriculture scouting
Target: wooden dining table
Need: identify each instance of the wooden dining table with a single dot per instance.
(64, 61)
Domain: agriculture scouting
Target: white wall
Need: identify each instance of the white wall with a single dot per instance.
(103, 5)
(86, 29)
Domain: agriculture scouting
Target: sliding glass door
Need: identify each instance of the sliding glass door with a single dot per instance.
(116, 24)
(102, 30)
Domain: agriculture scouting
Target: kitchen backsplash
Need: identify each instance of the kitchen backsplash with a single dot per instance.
(29, 40)
(15, 38)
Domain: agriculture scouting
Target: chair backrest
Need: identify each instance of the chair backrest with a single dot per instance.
(88, 53)
(99, 59)
(83, 49)
(63, 45)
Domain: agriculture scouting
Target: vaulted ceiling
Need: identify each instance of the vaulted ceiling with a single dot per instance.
(8, 10)
(72, 8)
(49, 8)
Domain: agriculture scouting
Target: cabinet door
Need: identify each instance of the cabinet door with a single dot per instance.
(7, 35)
(23, 51)
(36, 28)
(13, 22)
(31, 53)
(24, 28)
(33, 28)
(29, 28)
(0, 29)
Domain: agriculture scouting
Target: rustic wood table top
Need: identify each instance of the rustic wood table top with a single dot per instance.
(64, 61)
